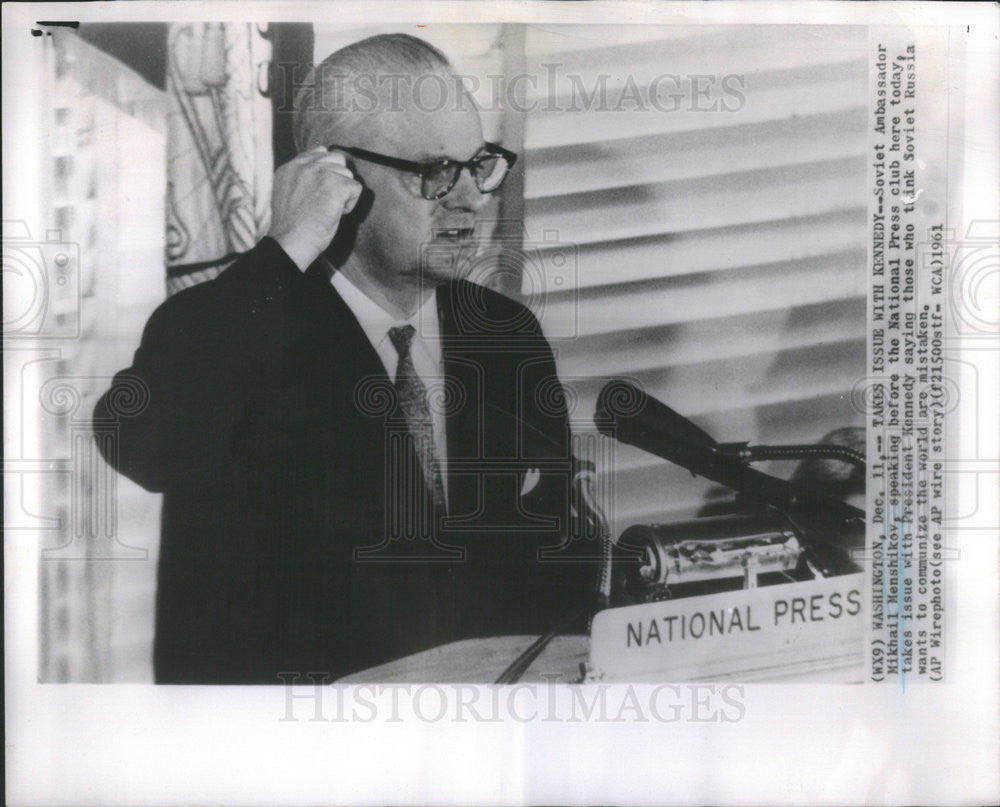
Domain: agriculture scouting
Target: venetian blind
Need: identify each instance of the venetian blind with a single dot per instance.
(719, 243)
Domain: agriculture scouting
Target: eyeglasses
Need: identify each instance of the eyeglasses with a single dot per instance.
(438, 177)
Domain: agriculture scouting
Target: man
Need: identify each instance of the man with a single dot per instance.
(359, 451)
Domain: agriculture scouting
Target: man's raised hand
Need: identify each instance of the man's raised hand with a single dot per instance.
(310, 195)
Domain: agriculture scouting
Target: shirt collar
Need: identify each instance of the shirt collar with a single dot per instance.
(376, 321)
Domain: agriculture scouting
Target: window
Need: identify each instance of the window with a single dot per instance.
(712, 184)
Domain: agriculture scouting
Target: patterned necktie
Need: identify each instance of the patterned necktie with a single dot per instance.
(413, 402)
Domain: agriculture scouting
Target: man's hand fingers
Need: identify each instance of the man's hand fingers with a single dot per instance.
(354, 193)
(310, 195)
(338, 168)
(336, 156)
(351, 189)
(320, 154)
(311, 154)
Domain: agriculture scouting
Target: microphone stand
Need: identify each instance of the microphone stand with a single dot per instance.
(729, 470)
(806, 451)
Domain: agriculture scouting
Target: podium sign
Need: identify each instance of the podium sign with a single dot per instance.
(811, 629)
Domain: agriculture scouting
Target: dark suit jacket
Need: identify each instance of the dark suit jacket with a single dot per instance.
(264, 415)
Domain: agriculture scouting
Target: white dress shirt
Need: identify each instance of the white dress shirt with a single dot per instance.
(425, 350)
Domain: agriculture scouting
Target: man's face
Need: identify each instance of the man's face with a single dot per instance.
(401, 223)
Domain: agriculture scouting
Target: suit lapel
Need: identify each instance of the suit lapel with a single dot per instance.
(351, 353)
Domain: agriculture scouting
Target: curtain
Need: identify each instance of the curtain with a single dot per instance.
(219, 147)
(103, 178)
(115, 144)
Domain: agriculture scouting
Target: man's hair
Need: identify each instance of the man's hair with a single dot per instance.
(332, 91)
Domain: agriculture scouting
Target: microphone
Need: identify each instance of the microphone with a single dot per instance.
(643, 421)
(630, 415)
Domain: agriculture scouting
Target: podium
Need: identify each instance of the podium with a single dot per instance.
(481, 661)
(810, 631)
(802, 631)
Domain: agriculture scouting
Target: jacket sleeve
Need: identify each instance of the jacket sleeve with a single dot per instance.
(176, 418)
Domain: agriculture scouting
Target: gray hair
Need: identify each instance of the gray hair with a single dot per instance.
(333, 90)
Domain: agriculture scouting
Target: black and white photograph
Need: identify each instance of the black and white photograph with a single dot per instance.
(500, 373)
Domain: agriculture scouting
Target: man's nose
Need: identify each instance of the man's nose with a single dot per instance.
(465, 195)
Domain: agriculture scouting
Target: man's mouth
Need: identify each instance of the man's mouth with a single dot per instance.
(454, 234)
